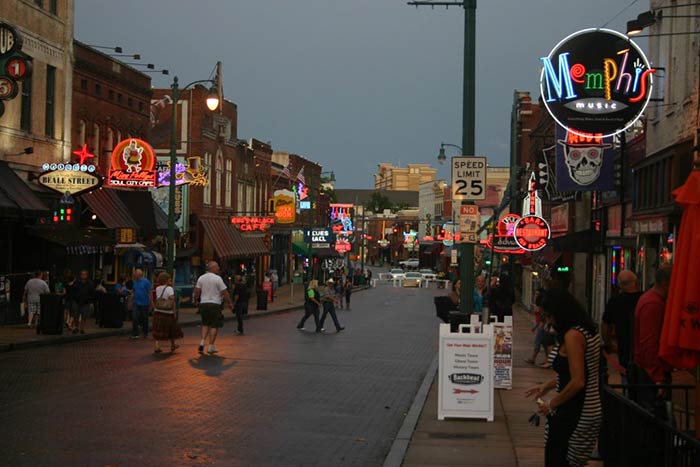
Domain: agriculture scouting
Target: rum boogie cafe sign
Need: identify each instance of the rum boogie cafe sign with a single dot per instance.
(596, 81)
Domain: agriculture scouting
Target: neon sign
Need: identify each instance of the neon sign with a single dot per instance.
(504, 241)
(282, 205)
(531, 232)
(133, 164)
(252, 223)
(341, 220)
(71, 178)
(590, 85)
(301, 190)
(191, 173)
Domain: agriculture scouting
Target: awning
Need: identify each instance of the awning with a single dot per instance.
(70, 236)
(547, 255)
(576, 242)
(228, 242)
(16, 198)
(145, 211)
(325, 253)
(109, 208)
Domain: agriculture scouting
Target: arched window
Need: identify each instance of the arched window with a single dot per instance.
(228, 175)
(82, 127)
(219, 173)
(95, 143)
(207, 187)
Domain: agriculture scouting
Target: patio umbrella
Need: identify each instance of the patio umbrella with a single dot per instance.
(680, 336)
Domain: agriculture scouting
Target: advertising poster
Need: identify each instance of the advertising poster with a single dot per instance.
(584, 163)
(503, 354)
(465, 380)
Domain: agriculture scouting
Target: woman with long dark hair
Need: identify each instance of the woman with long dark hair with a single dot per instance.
(574, 412)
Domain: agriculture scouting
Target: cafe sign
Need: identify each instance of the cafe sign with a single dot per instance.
(596, 82)
(252, 223)
(133, 165)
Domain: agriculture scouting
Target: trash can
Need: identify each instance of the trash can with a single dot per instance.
(111, 311)
(262, 300)
(457, 318)
(51, 315)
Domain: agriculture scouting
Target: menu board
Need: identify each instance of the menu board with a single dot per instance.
(465, 374)
(503, 354)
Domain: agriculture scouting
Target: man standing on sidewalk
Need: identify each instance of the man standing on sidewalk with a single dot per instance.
(32, 293)
(648, 321)
(210, 293)
(142, 304)
(240, 301)
(619, 315)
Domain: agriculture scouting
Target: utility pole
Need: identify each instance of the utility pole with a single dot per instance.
(466, 250)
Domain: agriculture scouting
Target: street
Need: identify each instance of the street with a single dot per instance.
(273, 397)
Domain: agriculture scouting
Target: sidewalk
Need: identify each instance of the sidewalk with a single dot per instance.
(17, 337)
(508, 441)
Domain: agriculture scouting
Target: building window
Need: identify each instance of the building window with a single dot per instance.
(228, 175)
(130, 102)
(219, 172)
(110, 94)
(250, 198)
(49, 125)
(53, 7)
(240, 200)
(83, 85)
(96, 141)
(39, 3)
(81, 132)
(98, 89)
(25, 119)
(119, 98)
(140, 106)
(207, 187)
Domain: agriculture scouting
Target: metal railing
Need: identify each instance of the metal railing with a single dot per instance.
(634, 437)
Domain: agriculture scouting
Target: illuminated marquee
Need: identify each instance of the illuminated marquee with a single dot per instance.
(590, 84)
(133, 165)
(341, 219)
(191, 173)
(71, 178)
(532, 232)
(252, 223)
(504, 241)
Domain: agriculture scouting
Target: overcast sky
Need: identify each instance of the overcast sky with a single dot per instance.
(351, 83)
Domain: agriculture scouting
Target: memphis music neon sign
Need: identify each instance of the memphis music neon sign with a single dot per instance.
(596, 81)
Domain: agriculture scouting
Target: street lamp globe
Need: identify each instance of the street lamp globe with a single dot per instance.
(441, 155)
(213, 99)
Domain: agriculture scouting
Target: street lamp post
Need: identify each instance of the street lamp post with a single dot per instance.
(213, 102)
(468, 125)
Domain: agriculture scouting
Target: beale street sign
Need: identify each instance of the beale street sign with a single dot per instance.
(596, 81)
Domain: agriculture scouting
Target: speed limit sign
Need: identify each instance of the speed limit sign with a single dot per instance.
(468, 178)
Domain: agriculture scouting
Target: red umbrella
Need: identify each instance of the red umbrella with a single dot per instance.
(680, 337)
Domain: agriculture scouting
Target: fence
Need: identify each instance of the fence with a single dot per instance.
(634, 437)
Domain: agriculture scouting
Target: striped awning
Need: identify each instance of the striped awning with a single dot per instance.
(229, 243)
(110, 209)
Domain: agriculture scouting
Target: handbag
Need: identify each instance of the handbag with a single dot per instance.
(164, 303)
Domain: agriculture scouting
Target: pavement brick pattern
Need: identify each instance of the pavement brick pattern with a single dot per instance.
(273, 397)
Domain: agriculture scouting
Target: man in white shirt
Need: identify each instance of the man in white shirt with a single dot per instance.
(210, 293)
(32, 293)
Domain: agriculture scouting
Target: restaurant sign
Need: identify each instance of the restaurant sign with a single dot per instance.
(133, 165)
(532, 232)
(252, 223)
(596, 81)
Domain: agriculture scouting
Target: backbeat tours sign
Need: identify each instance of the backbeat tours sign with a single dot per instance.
(596, 81)
(133, 165)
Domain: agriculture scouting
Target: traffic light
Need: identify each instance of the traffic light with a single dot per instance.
(63, 215)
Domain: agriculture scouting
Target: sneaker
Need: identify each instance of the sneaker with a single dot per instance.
(320, 330)
(173, 348)
(200, 349)
(212, 349)
(133, 338)
(341, 328)
(158, 350)
(301, 329)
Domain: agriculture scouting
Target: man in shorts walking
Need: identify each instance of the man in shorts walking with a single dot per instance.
(210, 293)
(32, 293)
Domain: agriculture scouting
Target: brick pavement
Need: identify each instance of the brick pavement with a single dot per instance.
(17, 337)
(274, 397)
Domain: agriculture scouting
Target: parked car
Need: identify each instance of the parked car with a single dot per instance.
(397, 274)
(409, 263)
(428, 274)
(412, 279)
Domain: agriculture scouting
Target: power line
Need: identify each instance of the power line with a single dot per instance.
(617, 15)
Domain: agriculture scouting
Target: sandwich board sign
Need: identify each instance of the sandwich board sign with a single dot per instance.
(465, 375)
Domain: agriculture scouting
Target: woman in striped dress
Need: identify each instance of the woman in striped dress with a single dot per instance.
(574, 412)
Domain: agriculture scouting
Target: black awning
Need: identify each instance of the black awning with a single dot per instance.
(16, 198)
(70, 236)
(575, 242)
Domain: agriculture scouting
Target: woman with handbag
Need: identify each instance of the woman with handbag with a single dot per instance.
(165, 325)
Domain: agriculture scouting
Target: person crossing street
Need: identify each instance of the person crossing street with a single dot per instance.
(328, 300)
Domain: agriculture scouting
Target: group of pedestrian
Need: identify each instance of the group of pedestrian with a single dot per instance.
(500, 298)
(325, 297)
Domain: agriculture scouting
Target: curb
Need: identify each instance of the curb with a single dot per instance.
(403, 437)
(70, 338)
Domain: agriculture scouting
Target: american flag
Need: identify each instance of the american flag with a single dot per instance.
(286, 172)
(300, 176)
